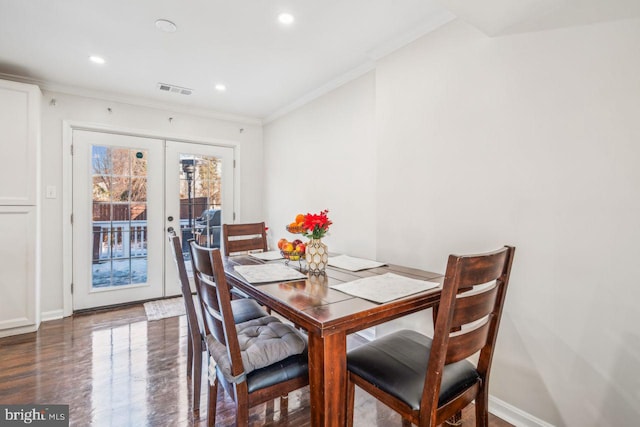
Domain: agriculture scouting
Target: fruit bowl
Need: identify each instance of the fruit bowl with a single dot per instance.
(292, 255)
(295, 229)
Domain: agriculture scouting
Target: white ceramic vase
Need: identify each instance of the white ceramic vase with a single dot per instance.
(317, 256)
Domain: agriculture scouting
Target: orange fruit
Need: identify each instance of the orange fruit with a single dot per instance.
(293, 224)
(299, 218)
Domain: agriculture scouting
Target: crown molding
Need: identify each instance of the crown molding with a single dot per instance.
(433, 23)
(374, 55)
(322, 90)
(132, 100)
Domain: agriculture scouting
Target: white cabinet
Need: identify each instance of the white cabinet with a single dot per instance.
(18, 302)
(19, 138)
(19, 208)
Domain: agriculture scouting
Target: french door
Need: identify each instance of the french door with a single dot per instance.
(127, 191)
(199, 198)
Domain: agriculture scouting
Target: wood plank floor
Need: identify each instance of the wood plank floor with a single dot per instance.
(116, 369)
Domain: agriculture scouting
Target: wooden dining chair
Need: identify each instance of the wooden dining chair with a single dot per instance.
(428, 380)
(244, 237)
(195, 325)
(262, 359)
(243, 308)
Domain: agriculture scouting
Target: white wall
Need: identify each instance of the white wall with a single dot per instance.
(129, 117)
(530, 140)
(323, 156)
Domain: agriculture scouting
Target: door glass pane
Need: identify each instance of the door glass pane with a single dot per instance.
(200, 200)
(119, 224)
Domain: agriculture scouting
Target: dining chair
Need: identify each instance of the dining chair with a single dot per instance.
(261, 360)
(244, 237)
(195, 326)
(244, 308)
(428, 380)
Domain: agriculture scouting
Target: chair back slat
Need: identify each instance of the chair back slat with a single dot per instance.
(202, 269)
(245, 245)
(472, 307)
(481, 269)
(244, 237)
(462, 345)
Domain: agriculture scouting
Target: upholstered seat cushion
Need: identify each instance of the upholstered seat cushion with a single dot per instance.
(397, 364)
(263, 342)
(246, 309)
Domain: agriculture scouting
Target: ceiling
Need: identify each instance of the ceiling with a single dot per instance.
(264, 65)
(267, 68)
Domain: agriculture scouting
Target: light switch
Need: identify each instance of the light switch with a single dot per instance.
(51, 192)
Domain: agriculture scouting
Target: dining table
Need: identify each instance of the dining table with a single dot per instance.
(328, 316)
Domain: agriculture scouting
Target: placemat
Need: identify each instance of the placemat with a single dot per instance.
(267, 256)
(384, 288)
(350, 263)
(265, 273)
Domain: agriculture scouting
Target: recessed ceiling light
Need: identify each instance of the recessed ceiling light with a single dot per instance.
(166, 26)
(286, 18)
(96, 59)
(220, 87)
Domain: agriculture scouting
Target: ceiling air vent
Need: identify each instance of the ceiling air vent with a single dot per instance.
(174, 89)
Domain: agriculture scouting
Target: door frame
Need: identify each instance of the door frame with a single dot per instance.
(68, 126)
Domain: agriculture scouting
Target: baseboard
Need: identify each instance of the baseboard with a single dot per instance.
(51, 315)
(17, 331)
(513, 415)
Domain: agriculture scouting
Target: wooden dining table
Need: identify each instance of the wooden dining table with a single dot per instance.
(328, 316)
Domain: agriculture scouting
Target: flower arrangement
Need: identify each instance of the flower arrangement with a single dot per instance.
(316, 225)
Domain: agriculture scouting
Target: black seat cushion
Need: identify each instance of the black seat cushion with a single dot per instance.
(397, 364)
(246, 309)
(292, 367)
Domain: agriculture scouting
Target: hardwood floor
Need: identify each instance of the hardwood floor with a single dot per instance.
(116, 369)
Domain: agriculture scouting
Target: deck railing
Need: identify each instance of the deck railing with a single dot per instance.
(128, 239)
(119, 239)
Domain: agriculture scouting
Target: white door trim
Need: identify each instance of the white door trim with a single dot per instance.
(68, 126)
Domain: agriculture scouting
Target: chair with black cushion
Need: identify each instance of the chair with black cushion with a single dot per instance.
(244, 237)
(195, 327)
(429, 380)
(243, 308)
(262, 359)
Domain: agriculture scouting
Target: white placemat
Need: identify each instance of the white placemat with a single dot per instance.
(265, 273)
(267, 256)
(353, 264)
(384, 288)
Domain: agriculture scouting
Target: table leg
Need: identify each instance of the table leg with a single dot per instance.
(328, 379)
